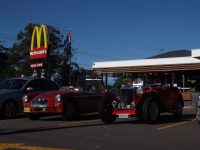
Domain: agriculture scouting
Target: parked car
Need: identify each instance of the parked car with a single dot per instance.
(144, 101)
(68, 102)
(12, 90)
(198, 110)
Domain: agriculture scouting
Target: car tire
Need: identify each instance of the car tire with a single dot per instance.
(150, 110)
(70, 111)
(179, 110)
(9, 110)
(33, 117)
(105, 111)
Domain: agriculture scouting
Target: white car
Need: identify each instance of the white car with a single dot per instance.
(198, 110)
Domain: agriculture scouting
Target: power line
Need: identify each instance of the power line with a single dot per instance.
(2, 35)
(99, 39)
(87, 65)
(96, 55)
(98, 36)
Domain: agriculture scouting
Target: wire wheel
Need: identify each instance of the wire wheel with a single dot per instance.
(153, 110)
(70, 111)
(105, 111)
(150, 110)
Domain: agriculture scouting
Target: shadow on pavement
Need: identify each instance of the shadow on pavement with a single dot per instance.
(164, 119)
(18, 116)
(92, 116)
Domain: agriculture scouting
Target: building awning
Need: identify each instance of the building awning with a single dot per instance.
(148, 65)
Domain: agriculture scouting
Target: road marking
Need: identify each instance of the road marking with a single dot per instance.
(5, 120)
(21, 146)
(173, 125)
(77, 122)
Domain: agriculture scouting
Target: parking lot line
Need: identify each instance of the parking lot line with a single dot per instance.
(174, 125)
(77, 122)
(22, 146)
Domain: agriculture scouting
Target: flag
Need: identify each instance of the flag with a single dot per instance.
(67, 49)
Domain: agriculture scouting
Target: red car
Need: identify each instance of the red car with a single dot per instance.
(146, 102)
(69, 102)
(12, 91)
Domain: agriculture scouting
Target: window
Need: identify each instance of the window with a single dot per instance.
(49, 85)
(37, 85)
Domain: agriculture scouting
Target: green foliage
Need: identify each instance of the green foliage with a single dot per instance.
(119, 82)
(56, 65)
(5, 68)
(20, 51)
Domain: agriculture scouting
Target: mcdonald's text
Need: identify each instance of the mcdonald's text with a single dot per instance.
(38, 53)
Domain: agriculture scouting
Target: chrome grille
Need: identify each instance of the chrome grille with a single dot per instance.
(127, 96)
(39, 103)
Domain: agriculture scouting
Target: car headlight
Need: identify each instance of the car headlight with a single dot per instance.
(58, 98)
(25, 98)
(133, 105)
(114, 103)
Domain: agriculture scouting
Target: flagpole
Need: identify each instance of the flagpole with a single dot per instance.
(70, 68)
(70, 56)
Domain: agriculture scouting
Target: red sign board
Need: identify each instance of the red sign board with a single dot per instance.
(38, 53)
(37, 65)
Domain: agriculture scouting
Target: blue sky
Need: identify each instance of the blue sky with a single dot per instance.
(104, 30)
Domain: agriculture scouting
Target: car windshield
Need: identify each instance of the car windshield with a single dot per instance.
(93, 85)
(13, 84)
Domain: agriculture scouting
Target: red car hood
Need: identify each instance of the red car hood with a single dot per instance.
(52, 94)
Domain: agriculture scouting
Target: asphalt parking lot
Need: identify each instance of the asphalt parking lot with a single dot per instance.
(88, 132)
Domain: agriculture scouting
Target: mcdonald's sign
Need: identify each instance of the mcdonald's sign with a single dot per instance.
(39, 42)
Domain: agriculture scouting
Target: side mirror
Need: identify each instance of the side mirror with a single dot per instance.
(29, 89)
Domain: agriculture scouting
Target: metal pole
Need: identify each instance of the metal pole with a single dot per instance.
(183, 82)
(70, 69)
(106, 80)
(173, 78)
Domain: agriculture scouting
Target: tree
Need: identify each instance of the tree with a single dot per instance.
(6, 69)
(20, 51)
(58, 62)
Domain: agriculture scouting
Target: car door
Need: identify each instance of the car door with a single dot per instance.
(168, 97)
(94, 99)
(87, 102)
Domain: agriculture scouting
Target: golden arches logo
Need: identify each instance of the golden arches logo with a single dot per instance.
(40, 51)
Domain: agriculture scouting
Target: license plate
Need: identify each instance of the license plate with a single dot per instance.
(26, 109)
(123, 116)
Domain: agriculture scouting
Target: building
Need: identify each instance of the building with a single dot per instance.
(178, 68)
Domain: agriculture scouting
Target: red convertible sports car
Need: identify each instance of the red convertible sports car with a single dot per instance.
(143, 101)
(12, 91)
(68, 102)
